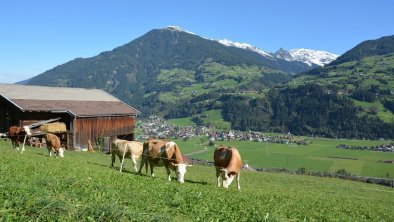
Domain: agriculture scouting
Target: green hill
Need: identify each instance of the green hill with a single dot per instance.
(82, 187)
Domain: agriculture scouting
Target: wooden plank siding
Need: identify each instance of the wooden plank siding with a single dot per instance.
(95, 127)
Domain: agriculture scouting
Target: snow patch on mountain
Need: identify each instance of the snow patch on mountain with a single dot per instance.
(308, 56)
(246, 46)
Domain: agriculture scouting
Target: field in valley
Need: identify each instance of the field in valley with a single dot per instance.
(82, 187)
(320, 155)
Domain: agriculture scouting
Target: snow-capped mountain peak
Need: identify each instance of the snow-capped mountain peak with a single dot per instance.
(246, 46)
(307, 56)
(177, 29)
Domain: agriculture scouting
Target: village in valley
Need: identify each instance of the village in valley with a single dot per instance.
(157, 127)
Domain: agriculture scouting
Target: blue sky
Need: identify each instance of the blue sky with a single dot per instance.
(38, 35)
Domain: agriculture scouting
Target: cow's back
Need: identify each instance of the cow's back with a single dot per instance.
(135, 148)
(153, 147)
(228, 158)
(222, 157)
(52, 141)
(235, 164)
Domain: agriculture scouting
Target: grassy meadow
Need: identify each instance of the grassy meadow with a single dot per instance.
(320, 155)
(82, 187)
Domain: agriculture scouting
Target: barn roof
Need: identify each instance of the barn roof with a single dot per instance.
(76, 101)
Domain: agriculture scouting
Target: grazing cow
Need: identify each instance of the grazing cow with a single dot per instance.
(164, 153)
(123, 148)
(228, 165)
(53, 145)
(18, 135)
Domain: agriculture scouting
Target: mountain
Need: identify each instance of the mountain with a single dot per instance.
(312, 58)
(177, 74)
(381, 46)
(308, 56)
(147, 66)
(246, 46)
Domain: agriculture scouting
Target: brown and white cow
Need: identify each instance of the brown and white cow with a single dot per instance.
(18, 135)
(53, 145)
(228, 165)
(164, 153)
(125, 148)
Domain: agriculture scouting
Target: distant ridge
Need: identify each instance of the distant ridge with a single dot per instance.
(381, 46)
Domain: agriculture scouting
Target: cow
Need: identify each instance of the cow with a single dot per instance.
(163, 153)
(53, 145)
(18, 135)
(228, 165)
(125, 148)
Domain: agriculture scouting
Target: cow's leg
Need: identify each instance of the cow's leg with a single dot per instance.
(151, 169)
(50, 152)
(112, 159)
(217, 178)
(168, 173)
(122, 161)
(238, 186)
(133, 159)
(23, 145)
(13, 142)
(146, 166)
(143, 161)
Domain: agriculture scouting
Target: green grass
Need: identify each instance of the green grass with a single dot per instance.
(216, 77)
(383, 113)
(213, 117)
(321, 155)
(82, 187)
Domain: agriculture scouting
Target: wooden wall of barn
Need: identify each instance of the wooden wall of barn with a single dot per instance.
(92, 128)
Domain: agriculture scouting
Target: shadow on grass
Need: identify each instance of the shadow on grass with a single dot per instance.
(42, 154)
(117, 168)
(99, 164)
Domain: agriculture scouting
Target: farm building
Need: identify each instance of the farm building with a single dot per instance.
(89, 114)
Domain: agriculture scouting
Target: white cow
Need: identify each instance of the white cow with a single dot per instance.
(125, 148)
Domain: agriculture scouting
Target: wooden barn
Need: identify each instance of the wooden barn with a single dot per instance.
(89, 114)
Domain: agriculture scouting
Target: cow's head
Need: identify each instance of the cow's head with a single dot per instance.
(61, 152)
(27, 130)
(227, 177)
(180, 170)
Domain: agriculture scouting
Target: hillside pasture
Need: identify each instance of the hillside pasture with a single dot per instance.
(82, 187)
